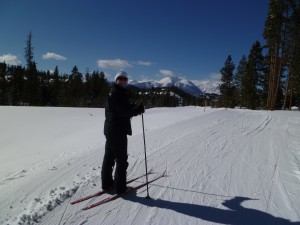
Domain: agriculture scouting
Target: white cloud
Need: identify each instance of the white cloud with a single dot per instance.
(108, 75)
(215, 76)
(144, 63)
(10, 59)
(167, 73)
(51, 55)
(113, 63)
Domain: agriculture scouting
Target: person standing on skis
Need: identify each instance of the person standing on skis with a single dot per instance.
(117, 125)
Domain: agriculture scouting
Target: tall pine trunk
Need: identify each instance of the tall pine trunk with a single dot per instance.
(292, 91)
(270, 81)
(289, 76)
(275, 75)
(287, 90)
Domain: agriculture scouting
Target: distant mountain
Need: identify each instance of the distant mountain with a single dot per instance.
(143, 84)
(194, 87)
(181, 83)
(208, 86)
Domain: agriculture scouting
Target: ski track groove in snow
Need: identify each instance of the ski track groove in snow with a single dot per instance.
(274, 179)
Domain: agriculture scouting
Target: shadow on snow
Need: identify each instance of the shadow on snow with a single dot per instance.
(236, 215)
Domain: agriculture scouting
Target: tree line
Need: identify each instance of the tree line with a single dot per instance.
(21, 86)
(269, 77)
(31, 87)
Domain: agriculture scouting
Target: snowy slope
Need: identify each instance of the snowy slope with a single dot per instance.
(181, 83)
(224, 167)
(208, 86)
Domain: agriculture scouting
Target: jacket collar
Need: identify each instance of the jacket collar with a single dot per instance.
(118, 87)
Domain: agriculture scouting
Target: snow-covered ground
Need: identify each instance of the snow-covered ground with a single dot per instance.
(224, 167)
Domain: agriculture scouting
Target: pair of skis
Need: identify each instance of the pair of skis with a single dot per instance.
(113, 197)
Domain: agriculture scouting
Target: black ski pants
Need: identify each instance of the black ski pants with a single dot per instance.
(115, 152)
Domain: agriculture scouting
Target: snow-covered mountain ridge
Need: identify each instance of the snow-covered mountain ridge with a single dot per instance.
(191, 87)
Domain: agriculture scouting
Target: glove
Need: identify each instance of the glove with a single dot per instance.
(141, 108)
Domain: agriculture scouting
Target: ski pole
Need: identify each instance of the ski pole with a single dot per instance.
(145, 157)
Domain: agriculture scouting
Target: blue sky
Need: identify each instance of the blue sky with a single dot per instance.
(149, 39)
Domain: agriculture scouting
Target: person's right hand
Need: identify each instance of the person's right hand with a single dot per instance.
(141, 108)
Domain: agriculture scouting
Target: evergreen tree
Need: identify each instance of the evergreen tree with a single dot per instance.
(264, 83)
(17, 86)
(227, 88)
(64, 91)
(3, 85)
(294, 99)
(249, 90)
(44, 78)
(94, 87)
(292, 87)
(3, 69)
(240, 73)
(54, 88)
(29, 51)
(76, 88)
(32, 84)
(275, 33)
(104, 90)
(252, 81)
(282, 36)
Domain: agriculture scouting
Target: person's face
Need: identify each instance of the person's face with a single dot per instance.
(122, 81)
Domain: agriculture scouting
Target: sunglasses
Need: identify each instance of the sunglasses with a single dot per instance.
(123, 78)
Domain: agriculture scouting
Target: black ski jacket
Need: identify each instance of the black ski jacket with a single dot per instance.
(118, 112)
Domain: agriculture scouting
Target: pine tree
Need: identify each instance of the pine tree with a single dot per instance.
(76, 88)
(264, 83)
(54, 88)
(282, 36)
(295, 63)
(240, 73)
(64, 91)
(94, 87)
(32, 84)
(275, 34)
(292, 87)
(3, 85)
(251, 93)
(249, 82)
(17, 86)
(104, 89)
(227, 88)
(29, 51)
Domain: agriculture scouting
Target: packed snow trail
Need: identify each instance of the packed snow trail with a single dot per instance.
(224, 167)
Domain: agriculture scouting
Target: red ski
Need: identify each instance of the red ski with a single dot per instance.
(103, 192)
(113, 197)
